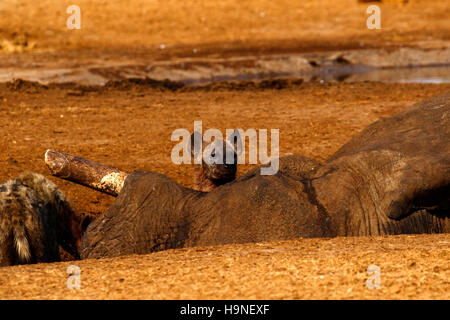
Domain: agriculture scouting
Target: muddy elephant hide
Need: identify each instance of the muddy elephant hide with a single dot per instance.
(392, 178)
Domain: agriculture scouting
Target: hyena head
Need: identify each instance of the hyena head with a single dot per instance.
(219, 158)
(70, 224)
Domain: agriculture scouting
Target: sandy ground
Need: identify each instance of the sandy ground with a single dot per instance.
(410, 267)
(220, 27)
(207, 38)
(128, 126)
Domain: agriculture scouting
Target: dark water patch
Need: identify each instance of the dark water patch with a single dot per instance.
(405, 65)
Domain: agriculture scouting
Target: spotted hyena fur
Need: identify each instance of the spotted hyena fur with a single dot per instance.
(35, 219)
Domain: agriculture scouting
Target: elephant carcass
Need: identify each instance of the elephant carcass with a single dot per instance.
(391, 178)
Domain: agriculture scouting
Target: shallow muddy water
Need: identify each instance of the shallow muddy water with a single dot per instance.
(402, 65)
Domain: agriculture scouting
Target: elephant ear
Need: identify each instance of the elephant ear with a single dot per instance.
(422, 183)
(389, 183)
(399, 165)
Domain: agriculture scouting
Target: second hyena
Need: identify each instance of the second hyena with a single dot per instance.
(211, 174)
(35, 219)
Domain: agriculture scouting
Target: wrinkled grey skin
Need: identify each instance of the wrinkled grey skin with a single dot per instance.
(392, 178)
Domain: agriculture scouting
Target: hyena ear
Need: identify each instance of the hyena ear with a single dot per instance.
(85, 221)
(235, 140)
(195, 144)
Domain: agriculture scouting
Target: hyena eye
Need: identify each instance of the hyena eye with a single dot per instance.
(213, 154)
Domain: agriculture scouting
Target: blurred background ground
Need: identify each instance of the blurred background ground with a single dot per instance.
(218, 27)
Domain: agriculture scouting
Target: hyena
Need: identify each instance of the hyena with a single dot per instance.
(35, 219)
(211, 174)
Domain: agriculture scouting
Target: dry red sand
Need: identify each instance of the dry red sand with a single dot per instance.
(411, 267)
